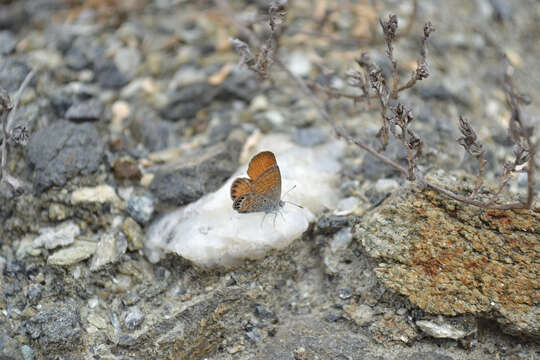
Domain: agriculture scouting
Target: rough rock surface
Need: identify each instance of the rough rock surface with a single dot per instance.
(62, 151)
(453, 259)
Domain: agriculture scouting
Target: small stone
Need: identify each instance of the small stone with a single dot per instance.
(27, 352)
(345, 293)
(140, 207)
(57, 211)
(109, 76)
(329, 225)
(109, 249)
(89, 110)
(133, 233)
(126, 168)
(444, 330)
(263, 313)
(259, 103)
(347, 205)
(332, 316)
(130, 298)
(253, 334)
(98, 194)
(79, 251)
(9, 348)
(56, 327)
(61, 235)
(193, 177)
(7, 42)
(341, 239)
(62, 151)
(134, 317)
(15, 268)
(120, 111)
(96, 320)
(33, 293)
(361, 314)
(299, 64)
(186, 102)
(311, 136)
(127, 60)
(386, 185)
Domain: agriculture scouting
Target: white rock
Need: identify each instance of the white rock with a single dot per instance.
(109, 249)
(98, 194)
(386, 185)
(299, 64)
(341, 239)
(79, 251)
(61, 235)
(210, 233)
(441, 331)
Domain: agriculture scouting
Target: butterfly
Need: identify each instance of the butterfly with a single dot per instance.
(262, 190)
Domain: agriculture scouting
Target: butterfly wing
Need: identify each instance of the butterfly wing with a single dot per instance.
(269, 184)
(251, 202)
(239, 187)
(260, 163)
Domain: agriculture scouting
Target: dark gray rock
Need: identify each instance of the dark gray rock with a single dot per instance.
(33, 293)
(140, 208)
(81, 53)
(330, 224)
(134, 317)
(265, 314)
(310, 136)
(90, 110)
(191, 178)
(56, 327)
(108, 75)
(186, 102)
(7, 42)
(148, 128)
(9, 348)
(502, 10)
(428, 356)
(12, 74)
(62, 151)
(15, 269)
(12, 288)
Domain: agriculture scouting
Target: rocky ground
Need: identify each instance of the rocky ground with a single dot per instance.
(125, 91)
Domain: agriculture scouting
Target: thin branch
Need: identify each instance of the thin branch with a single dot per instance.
(407, 136)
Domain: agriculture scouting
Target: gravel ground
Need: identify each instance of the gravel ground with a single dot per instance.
(124, 91)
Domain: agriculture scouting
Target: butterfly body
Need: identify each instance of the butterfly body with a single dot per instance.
(261, 192)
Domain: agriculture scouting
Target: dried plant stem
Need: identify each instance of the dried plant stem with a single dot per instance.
(8, 116)
(382, 93)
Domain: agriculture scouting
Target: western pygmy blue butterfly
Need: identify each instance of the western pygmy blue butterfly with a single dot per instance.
(262, 190)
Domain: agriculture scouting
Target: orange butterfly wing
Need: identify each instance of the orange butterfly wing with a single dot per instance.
(239, 187)
(260, 163)
(269, 184)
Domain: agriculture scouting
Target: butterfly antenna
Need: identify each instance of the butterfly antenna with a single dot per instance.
(290, 202)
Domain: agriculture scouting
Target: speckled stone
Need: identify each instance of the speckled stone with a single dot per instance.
(453, 259)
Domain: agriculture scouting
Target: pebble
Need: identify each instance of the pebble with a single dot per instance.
(109, 249)
(128, 59)
(7, 42)
(89, 110)
(360, 314)
(9, 348)
(386, 185)
(62, 151)
(299, 64)
(99, 194)
(133, 233)
(134, 317)
(79, 251)
(341, 239)
(61, 235)
(140, 208)
(27, 352)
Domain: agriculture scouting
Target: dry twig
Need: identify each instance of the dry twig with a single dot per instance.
(397, 118)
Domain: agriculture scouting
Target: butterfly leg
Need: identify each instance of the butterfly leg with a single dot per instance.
(262, 221)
